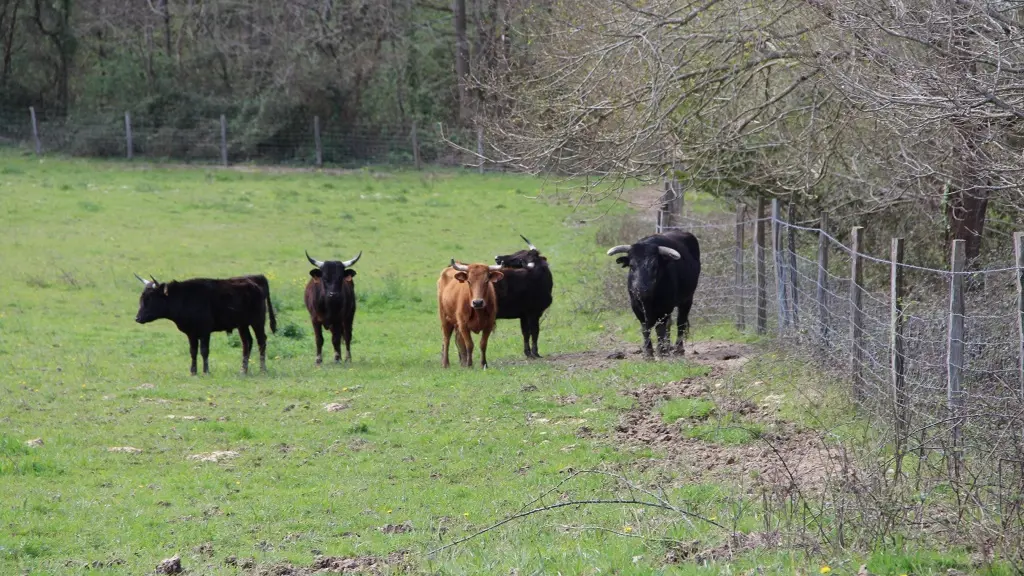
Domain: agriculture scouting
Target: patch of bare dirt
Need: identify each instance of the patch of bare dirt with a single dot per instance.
(124, 449)
(394, 562)
(396, 528)
(782, 455)
(217, 456)
(335, 406)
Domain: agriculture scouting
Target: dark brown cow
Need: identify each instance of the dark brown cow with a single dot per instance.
(201, 306)
(466, 302)
(331, 301)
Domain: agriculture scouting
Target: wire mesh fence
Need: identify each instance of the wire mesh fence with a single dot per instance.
(213, 139)
(960, 416)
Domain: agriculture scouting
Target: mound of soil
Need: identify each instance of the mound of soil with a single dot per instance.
(394, 562)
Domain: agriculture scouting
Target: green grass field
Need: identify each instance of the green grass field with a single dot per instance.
(444, 453)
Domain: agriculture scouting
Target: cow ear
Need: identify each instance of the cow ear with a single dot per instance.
(495, 276)
(461, 276)
(624, 260)
(316, 273)
(349, 272)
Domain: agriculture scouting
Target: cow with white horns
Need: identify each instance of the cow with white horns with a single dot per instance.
(331, 301)
(663, 274)
(525, 293)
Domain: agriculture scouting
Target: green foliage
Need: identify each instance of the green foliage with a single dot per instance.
(695, 408)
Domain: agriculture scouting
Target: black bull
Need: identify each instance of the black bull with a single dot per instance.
(663, 274)
(525, 292)
(201, 306)
(331, 301)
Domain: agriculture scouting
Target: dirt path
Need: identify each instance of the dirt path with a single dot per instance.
(725, 439)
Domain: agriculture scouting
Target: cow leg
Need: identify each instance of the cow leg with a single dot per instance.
(336, 342)
(483, 347)
(648, 349)
(524, 326)
(204, 349)
(318, 332)
(243, 333)
(535, 332)
(461, 345)
(683, 325)
(193, 349)
(661, 327)
(261, 341)
(347, 333)
(446, 330)
(467, 340)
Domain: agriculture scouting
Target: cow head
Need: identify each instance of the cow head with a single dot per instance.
(644, 261)
(522, 259)
(333, 274)
(479, 277)
(153, 303)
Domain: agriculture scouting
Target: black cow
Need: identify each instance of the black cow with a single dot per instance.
(663, 274)
(201, 306)
(331, 301)
(525, 292)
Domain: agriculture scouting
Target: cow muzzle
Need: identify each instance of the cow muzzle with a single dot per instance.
(477, 304)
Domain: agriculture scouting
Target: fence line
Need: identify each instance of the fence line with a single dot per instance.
(934, 357)
(218, 139)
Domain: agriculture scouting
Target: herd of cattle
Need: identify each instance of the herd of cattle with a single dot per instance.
(663, 274)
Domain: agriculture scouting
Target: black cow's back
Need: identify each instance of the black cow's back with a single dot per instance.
(205, 305)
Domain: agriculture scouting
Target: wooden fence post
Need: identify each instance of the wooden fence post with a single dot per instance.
(794, 303)
(955, 347)
(35, 130)
(822, 288)
(762, 282)
(415, 147)
(318, 142)
(856, 314)
(480, 147)
(1018, 251)
(897, 361)
(128, 133)
(738, 282)
(780, 273)
(223, 140)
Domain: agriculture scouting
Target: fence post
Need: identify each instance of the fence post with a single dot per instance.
(223, 140)
(896, 349)
(780, 273)
(35, 130)
(762, 283)
(318, 142)
(1018, 251)
(823, 315)
(856, 314)
(794, 305)
(738, 285)
(415, 147)
(128, 133)
(955, 346)
(480, 147)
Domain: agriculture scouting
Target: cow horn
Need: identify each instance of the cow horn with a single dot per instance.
(666, 251)
(621, 249)
(531, 265)
(494, 267)
(459, 267)
(141, 279)
(348, 263)
(316, 263)
(528, 243)
(155, 281)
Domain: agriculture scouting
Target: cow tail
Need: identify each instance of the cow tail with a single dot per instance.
(270, 309)
(693, 246)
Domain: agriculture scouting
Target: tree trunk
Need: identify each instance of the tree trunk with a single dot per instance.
(965, 212)
(165, 9)
(9, 44)
(462, 59)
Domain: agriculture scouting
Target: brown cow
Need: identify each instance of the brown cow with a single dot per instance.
(466, 302)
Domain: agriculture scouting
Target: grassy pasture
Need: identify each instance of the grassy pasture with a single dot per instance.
(443, 452)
